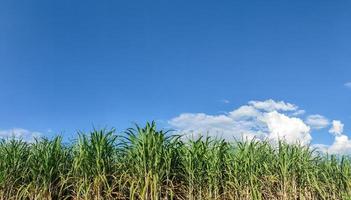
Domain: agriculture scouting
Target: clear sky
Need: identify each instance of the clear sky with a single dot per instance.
(68, 65)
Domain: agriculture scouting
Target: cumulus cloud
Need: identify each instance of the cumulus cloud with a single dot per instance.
(244, 112)
(337, 127)
(19, 133)
(215, 125)
(341, 143)
(201, 121)
(272, 120)
(317, 121)
(290, 129)
(298, 112)
(271, 105)
(258, 119)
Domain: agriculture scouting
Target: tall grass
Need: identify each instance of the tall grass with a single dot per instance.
(151, 164)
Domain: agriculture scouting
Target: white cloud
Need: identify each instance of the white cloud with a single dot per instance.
(298, 112)
(215, 125)
(348, 84)
(337, 127)
(244, 112)
(202, 120)
(341, 144)
(290, 129)
(317, 121)
(271, 105)
(19, 133)
(259, 119)
(269, 119)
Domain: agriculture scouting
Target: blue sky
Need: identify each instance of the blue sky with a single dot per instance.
(69, 65)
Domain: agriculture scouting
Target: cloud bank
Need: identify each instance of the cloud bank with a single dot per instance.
(269, 119)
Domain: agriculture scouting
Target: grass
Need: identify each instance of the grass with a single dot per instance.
(147, 163)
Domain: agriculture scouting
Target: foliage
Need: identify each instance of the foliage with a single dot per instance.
(146, 163)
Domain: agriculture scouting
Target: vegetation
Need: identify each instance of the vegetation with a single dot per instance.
(146, 163)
